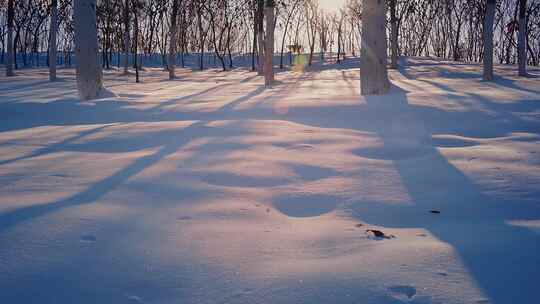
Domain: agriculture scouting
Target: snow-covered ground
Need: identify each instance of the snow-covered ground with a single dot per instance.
(212, 189)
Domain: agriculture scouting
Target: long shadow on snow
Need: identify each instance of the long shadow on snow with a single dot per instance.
(99, 189)
(503, 264)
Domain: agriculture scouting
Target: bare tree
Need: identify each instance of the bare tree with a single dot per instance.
(136, 8)
(260, 36)
(10, 45)
(488, 40)
(89, 74)
(173, 31)
(393, 35)
(269, 43)
(288, 17)
(522, 38)
(373, 71)
(126, 37)
(311, 12)
(53, 48)
(323, 34)
(339, 28)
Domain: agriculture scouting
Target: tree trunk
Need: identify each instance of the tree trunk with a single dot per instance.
(285, 32)
(522, 38)
(136, 42)
(52, 43)
(254, 47)
(260, 37)
(89, 73)
(171, 61)
(125, 62)
(269, 44)
(393, 35)
(488, 40)
(10, 46)
(201, 38)
(373, 72)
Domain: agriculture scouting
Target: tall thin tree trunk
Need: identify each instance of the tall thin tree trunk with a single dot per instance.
(285, 32)
(522, 38)
(254, 51)
(488, 40)
(260, 37)
(393, 35)
(52, 43)
(373, 71)
(10, 45)
(201, 38)
(125, 60)
(171, 61)
(89, 73)
(269, 44)
(136, 42)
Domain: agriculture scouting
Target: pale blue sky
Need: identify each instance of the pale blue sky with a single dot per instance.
(331, 5)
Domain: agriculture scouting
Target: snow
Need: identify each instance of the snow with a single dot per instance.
(212, 189)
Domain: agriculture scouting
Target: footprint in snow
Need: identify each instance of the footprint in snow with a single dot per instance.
(402, 292)
(88, 238)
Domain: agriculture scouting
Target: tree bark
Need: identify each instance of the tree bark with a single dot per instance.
(126, 37)
(373, 71)
(53, 49)
(488, 40)
(522, 38)
(260, 37)
(171, 61)
(89, 73)
(269, 44)
(393, 35)
(254, 51)
(136, 41)
(285, 32)
(10, 46)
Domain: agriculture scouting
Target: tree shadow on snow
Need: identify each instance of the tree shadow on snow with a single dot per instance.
(501, 258)
(166, 142)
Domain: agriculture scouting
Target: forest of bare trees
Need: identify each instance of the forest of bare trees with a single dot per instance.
(135, 33)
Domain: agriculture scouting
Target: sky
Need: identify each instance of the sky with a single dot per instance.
(331, 5)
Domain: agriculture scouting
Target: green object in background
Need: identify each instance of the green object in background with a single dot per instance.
(299, 62)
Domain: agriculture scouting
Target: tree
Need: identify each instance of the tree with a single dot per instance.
(393, 35)
(202, 31)
(269, 43)
(488, 40)
(171, 61)
(260, 36)
(89, 73)
(10, 46)
(136, 8)
(53, 49)
(288, 17)
(126, 37)
(373, 72)
(324, 29)
(311, 11)
(339, 27)
(522, 38)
